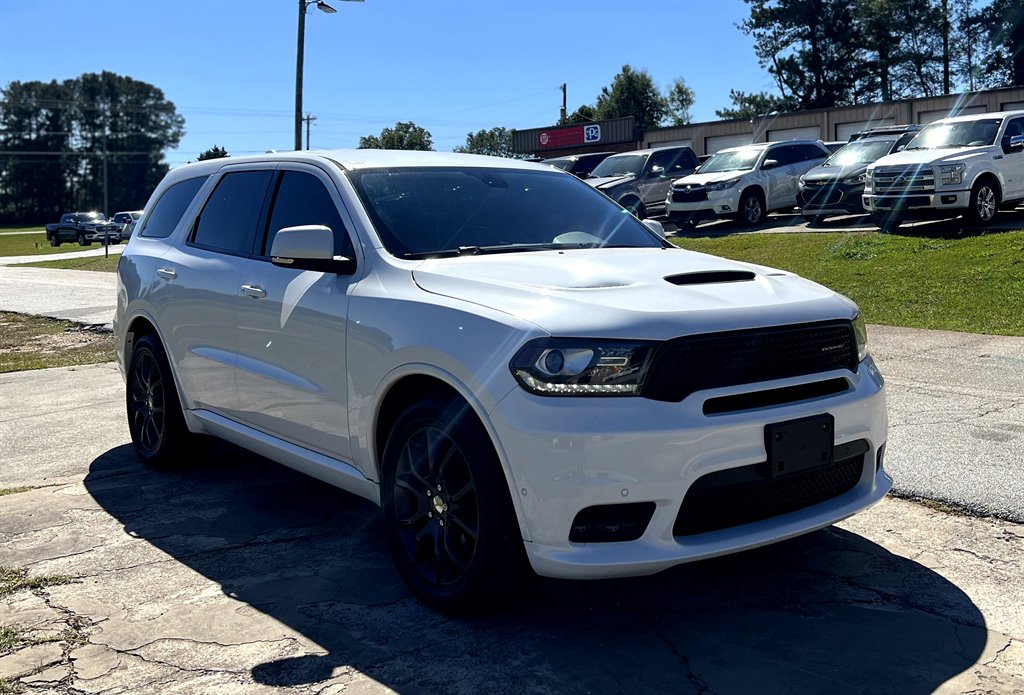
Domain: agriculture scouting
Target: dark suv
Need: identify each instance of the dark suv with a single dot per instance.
(579, 164)
(835, 187)
(639, 180)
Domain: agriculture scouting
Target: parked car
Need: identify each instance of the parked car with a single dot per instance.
(83, 227)
(127, 221)
(968, 165)
(519, 374)
(579, 164)
(744, 183)
(639, 180)
(836, 186)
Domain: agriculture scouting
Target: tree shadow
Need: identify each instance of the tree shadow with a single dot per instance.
(828, 612)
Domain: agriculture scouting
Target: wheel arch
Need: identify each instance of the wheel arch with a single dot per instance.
(993, 178)
(412, 384)
(141, 325)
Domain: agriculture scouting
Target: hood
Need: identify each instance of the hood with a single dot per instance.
(624, 293)
(700, 179)
(604, 182)
(830, 173)
(950, 155)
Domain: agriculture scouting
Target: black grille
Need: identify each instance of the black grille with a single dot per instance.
(692, 195)
(894, 201)
(713, 360)
(743, 495)
(821, 196)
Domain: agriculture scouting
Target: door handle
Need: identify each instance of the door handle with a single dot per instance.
(254, 291)
(166, 273)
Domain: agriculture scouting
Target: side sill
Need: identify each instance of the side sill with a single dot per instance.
(330, 470)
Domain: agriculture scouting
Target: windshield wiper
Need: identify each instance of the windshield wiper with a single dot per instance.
(510, 248)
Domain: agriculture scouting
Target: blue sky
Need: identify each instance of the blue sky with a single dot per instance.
(451, 66)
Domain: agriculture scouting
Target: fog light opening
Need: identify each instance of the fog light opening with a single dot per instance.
(608, 523)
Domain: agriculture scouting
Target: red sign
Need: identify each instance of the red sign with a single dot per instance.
(561, 137)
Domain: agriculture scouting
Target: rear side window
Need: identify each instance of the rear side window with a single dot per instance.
(172, 205)
(303, 199)
(229, 219)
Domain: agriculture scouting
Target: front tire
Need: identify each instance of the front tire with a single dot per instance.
(984, 202)
(54, 241)
(155, 420)
(448, 516)
(887, 221)
(636, 208)
(82, 241)
(752, 208)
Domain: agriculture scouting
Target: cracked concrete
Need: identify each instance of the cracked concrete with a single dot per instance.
(237, 575)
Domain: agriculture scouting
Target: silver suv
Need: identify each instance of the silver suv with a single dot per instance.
(639, 180)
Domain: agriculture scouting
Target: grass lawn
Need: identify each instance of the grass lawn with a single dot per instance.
(30, 244)
(34, 342)
(973, 284)
(107, 264)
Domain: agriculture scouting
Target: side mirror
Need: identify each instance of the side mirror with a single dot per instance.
(655, 227)
(309, 247)
(1016, 142)
(770, 164)
(657, 171)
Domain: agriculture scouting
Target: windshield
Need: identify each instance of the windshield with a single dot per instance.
(563, 163)
(963, 134)
(434, 211)
(860, 152)
(732, 160)
(93, 217)
(620, 165)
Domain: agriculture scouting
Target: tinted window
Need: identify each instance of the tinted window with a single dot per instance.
(812, 152)
(783, 155)
(164, 216)
(675, 162)
(1013, 128)
(229, 219)
(453, 211)
(302, 199)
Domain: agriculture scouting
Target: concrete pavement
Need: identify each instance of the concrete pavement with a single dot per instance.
(75, 295)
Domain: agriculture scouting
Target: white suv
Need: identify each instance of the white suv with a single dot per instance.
(967, 165)
(744, 183)
(520, 373)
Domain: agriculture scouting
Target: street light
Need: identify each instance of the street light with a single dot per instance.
(303, 7)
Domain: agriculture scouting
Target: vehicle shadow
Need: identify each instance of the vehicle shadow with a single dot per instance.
(829, 612)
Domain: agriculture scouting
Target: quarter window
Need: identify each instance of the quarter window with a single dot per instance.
(228, 221)
(303, 199)
(167, 212)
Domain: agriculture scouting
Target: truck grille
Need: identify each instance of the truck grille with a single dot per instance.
(747, 494)
(689, 194)
(918, 178)
(693, 363)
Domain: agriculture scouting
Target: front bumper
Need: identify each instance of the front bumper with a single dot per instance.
(717, 204)
(570, 454)
(924, 204)
(831, 199)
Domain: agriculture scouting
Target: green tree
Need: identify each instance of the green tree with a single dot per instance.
(94, 139)
(810, 47)
(680, 100)
(632, 93)
(753, 105)
(1004, 62)
(404, 136)
(584, 114)
(214, 152)
(496, 142)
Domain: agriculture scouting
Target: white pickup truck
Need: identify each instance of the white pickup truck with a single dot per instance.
(967, 165)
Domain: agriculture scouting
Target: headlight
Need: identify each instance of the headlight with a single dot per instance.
(722, 185)
(860, 332)
(854, 180)
(582, 367)
(951, 173)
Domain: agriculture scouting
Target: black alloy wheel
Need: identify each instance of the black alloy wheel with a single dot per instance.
(155, 420)
(448, 516)
(636, 208)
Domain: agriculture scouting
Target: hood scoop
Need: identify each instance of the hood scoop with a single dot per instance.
(710, 277)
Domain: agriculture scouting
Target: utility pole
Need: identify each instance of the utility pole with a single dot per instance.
(562, 118)
(946, 87)
(308, 118)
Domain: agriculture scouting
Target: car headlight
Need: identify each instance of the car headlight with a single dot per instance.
(951, 173)
(722, 185)
(860, 332)
(854, 180)
(582, 367)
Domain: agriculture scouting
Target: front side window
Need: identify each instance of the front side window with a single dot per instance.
(302, 199)
(167, 212)
(229, 219)
(448, 211)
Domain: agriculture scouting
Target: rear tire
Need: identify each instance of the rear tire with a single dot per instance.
(448, 514)
(155, 420)
(984, 202)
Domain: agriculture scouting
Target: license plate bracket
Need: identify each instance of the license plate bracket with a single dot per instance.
(799, 445)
